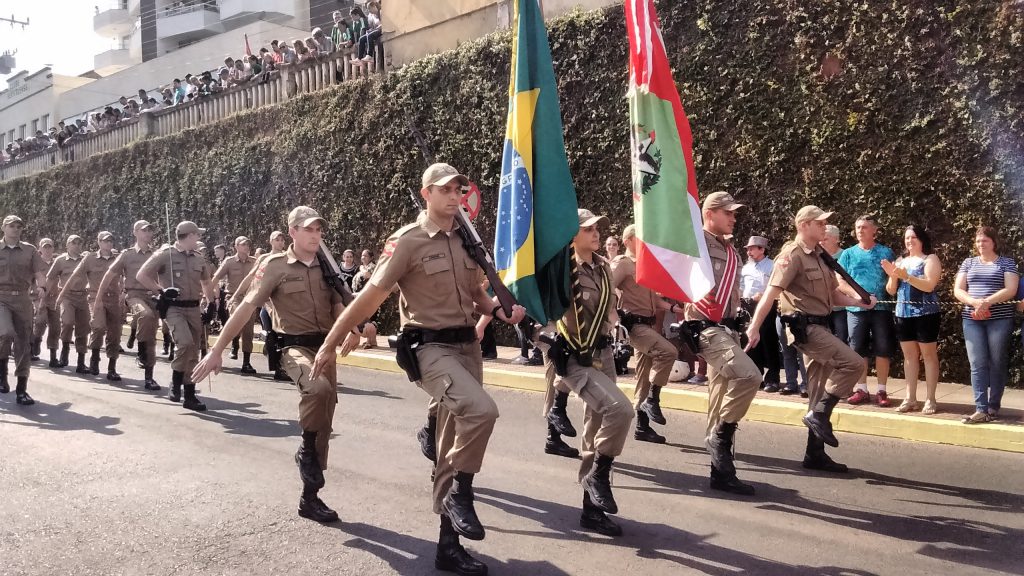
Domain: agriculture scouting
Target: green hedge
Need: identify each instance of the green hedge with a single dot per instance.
(924, 123)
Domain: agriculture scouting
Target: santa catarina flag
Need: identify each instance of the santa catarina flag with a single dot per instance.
(672, 256)
(537, 199)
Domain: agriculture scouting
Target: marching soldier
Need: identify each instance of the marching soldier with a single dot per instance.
(74, 308)
(20, 264)
(181, 276)
(638, 308)
(107, 316)
(303, 309)
(139, 299)
(807, 290)
(441, 290)
(233, 270)
(47, 319)
(581, 355)
(733, 378)
(277, 246)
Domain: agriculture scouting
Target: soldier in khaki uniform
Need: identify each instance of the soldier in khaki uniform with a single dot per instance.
(584, 333)
(277, 246)
(139, 299)
(807, 291)
(47, 319)
(304, 308)
(441, 290)
(638, 309)
(233, 270)
(74, 308)
(107, 316)
(20, 264)
(733, 378)
(182, 277)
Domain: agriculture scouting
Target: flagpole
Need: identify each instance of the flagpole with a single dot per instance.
(541, 4)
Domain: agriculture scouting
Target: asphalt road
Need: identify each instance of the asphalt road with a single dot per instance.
(110, 479)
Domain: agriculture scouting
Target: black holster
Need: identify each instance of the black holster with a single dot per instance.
(161, 304)
(797, 324)
(627, 320)
(405, 345)
(558, 352)
(688, 332)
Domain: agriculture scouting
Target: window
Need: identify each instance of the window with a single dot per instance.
(35, 126)
(10, 136)
(21, 131)
(3, 141)
(46, 122)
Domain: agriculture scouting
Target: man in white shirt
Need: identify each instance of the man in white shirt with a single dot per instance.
(753, 282)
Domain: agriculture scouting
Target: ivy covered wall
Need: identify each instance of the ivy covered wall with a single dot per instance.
(911, 109)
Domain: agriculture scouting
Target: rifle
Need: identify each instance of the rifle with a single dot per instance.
(473, 244)
(832, 264)
(332, 273)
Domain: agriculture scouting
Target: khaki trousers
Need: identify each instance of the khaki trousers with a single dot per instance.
(187, 332)
(107, 326)
(47, 320)
(733, 378)
(317, 398)
(16, 331)
(74, 316)
(608, 413)
(655, 355)
(248, 330)
(832, 366)
(146, 319)
(453, 376)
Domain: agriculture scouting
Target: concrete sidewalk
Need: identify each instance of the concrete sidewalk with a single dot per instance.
(955, 401)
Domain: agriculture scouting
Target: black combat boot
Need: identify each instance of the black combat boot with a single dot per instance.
(140, 357)
(246, 366)
(816, 459)
(458, 505)
(174, 394)
(191, 402)
(150, 384)
(598, 484)
(644, 432)
(592, 518)
(452, 557)
(54, 361)
(313, 508)
(94, 362)
(112, 374)
(558, 417)
(819, 419)
(82, 368)
(21, 392)
(729, 483)
(652, 406)
(234, 348)
(310, 471)
(131, 337)
(555, 445)
(427, 438)
(65, 354)
(167, 344)
(4, 386)
(719, 445)
(37, 348)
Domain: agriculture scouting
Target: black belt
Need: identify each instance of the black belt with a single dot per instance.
(311, 341)
(638, 319)
(729, 323)
(183, 303)
(819, 320)
(460, 335)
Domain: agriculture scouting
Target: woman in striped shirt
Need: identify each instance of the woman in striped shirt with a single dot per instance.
(984, 283)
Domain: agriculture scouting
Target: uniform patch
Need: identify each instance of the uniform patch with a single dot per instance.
(389, 247)
(260, 271)
(782, 262)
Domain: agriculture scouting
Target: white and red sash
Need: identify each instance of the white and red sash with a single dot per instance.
(713, 304)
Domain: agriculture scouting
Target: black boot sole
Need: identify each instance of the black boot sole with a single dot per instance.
(197, 406)
(563, 451)
(113, 377)
(738, 488)
(24, 400)
(151, 386)
(604, 526)
(465, 533)
(654, 414)
(562, 425)
(446, 566)
(317, 517)
(648, 436)
(823, 434)
(833, 467)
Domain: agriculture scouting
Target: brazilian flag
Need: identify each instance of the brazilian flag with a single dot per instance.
(537, 199)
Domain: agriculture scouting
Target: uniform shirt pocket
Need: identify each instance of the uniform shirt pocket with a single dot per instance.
(293, 287)
(435, 264)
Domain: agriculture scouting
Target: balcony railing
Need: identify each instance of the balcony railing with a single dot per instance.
(288, 82)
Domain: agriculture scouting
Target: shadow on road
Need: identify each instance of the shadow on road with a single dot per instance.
(350, 391)
(648, 541)
(58, 417)
(233, 416)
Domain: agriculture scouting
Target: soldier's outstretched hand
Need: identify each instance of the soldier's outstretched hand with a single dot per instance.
(323, 357)
(753, 337)
(212, 362)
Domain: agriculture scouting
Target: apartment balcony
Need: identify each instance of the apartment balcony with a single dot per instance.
(243, 11)
(188, 23)
(111, 61)
(114, 21)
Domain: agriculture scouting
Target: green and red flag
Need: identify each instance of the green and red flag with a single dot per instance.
(672, 256)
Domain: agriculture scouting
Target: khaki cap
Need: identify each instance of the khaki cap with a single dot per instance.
(104, 235)
(808, 213)
(757, 241)
(75, 238)
(188, 227)
(243, 240)
(12, 219)
(440, 174)
(718, 200)
(46, 242)
(275, 234)
(140, 225)
(587, 218)
(303, 216)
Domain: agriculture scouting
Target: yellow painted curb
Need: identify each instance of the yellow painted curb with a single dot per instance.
(914, 428)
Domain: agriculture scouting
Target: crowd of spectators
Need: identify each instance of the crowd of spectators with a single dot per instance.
(359, 32)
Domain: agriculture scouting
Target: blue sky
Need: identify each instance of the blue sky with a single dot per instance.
(60, 33)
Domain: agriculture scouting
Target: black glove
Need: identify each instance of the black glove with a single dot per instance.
(170, 293)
